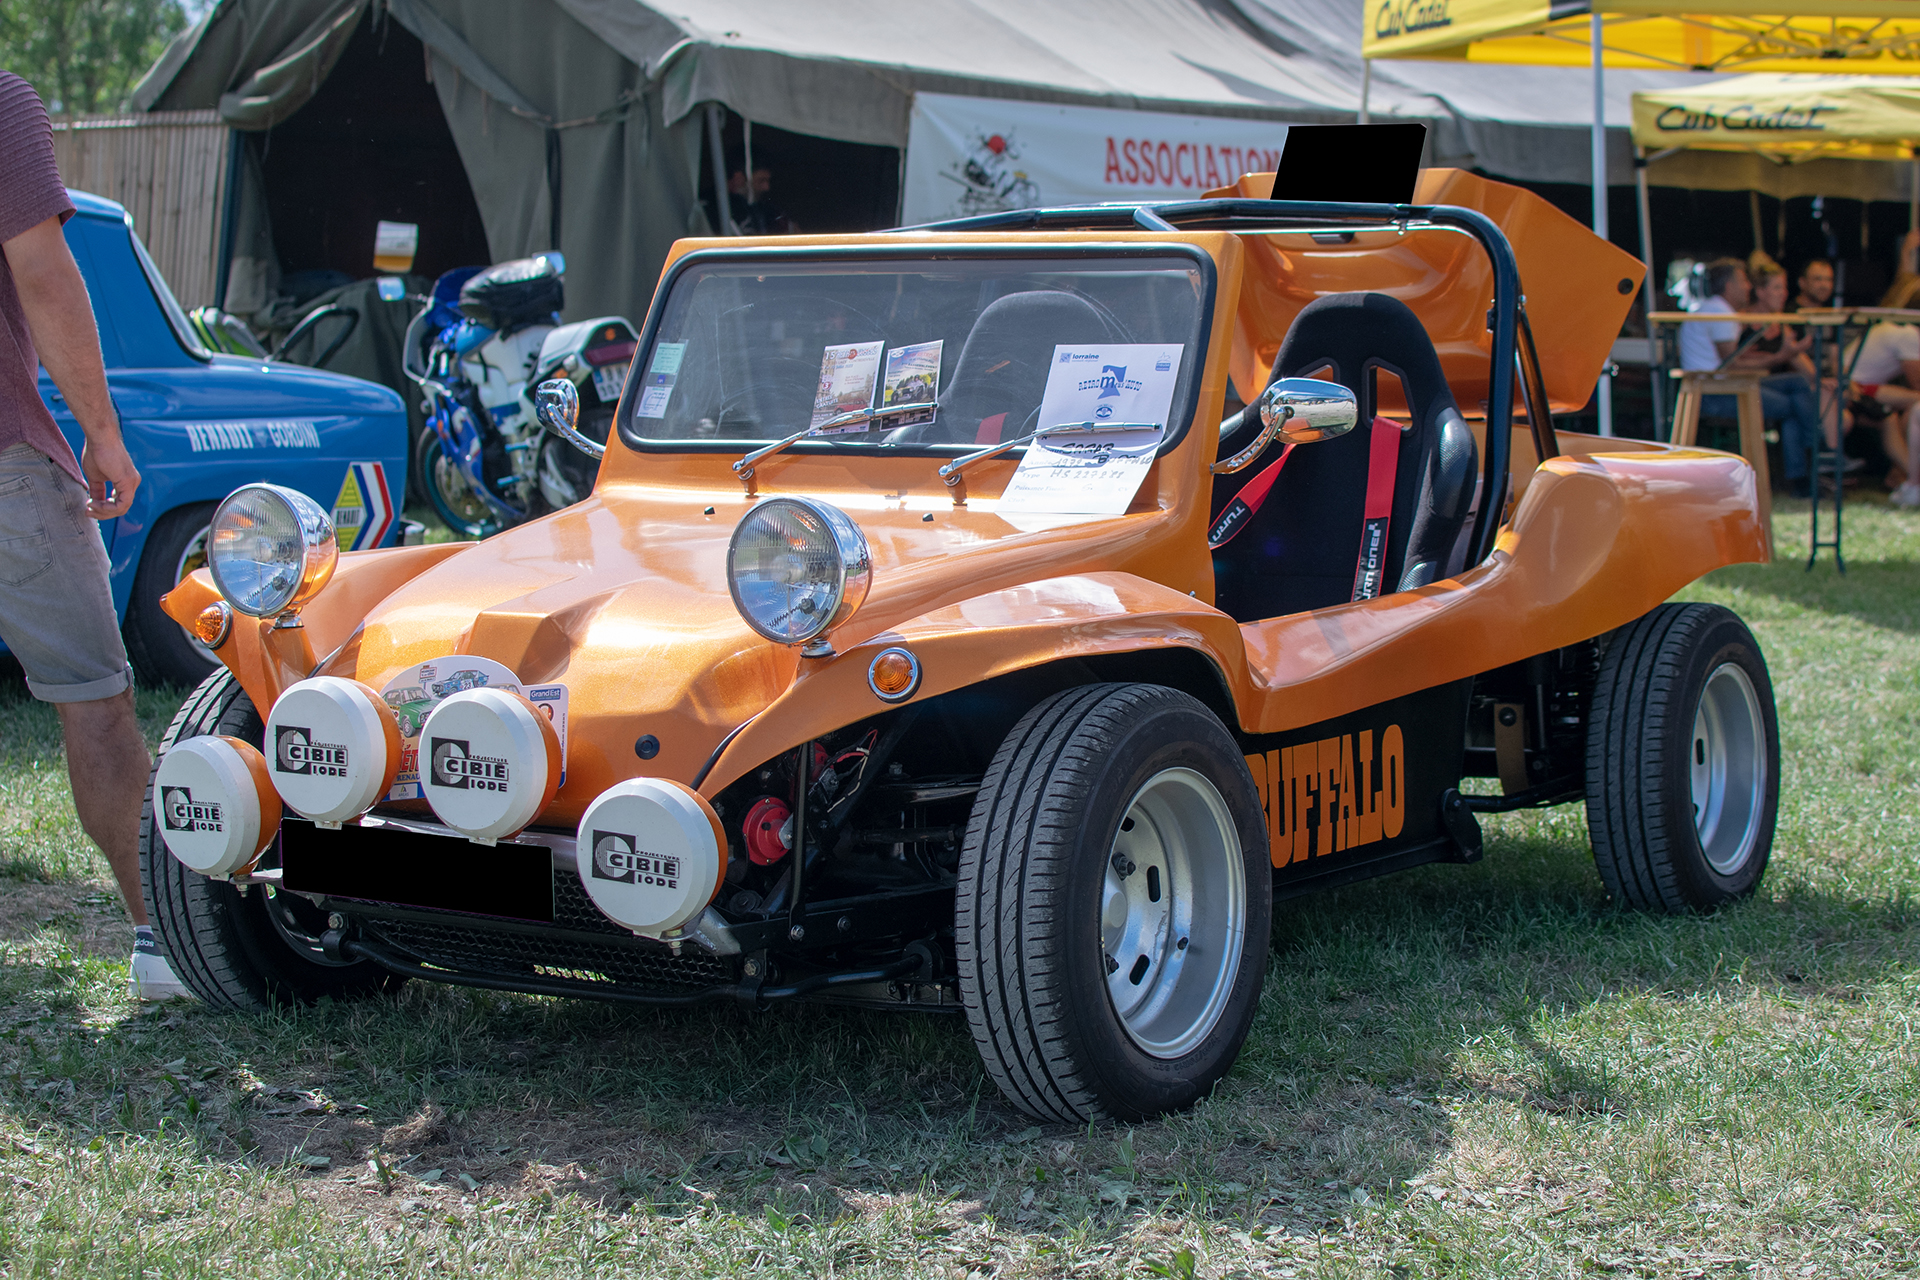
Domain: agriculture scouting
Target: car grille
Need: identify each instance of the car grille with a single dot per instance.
(622, 960)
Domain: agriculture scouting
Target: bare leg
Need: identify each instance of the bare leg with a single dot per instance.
(107, 763)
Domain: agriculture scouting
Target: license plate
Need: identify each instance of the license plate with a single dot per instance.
(386, 863)
(607, 382)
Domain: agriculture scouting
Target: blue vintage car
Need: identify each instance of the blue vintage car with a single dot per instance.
(199, 425)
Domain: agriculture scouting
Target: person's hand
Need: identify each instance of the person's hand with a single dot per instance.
(112, 479)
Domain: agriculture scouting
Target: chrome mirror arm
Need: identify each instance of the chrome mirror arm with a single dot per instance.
(1227, 466)
(556, 402)
(951, 472)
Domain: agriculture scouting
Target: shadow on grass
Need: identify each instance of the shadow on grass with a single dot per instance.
(1878, 592)
(819, 1112)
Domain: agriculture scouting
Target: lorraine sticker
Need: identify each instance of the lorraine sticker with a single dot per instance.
(415, 692)
(363, 514)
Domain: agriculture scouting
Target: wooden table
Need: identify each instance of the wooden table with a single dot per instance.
(1744, 386)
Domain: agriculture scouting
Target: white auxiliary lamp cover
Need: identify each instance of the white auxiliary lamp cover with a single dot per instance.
(489, 763)
(651, 854)
(214, 805)
(334, 748)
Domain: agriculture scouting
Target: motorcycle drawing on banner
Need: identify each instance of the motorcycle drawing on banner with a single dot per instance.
(486, 337)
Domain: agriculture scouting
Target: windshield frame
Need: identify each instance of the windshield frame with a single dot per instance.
(163, 297)
(1181, 414)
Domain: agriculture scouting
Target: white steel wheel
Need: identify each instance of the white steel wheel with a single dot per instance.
(1727, 769)
(1174, 913)
(1111, 919)
(1683, 760)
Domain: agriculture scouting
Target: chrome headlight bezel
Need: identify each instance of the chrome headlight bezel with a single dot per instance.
(833, 537)
(306, 557)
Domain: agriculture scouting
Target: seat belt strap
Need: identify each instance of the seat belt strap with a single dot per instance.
(1246, 503)
(1383, 464)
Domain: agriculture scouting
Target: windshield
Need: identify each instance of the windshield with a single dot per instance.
(926, 352)
(176, 318)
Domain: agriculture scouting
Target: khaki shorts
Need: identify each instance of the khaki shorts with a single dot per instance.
(56, 608)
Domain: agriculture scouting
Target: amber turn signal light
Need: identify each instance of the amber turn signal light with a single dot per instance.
(894, 675)
(214, 624)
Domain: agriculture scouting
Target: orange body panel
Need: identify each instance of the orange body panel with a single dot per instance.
(1578, 288)
(623, 597)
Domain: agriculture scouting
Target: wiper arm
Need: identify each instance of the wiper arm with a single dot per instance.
(951, 472)
(744, 467)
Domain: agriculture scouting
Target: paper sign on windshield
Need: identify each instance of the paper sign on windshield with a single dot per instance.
(913, 377)
(848, 373)
(661, 375)
(1097, 472)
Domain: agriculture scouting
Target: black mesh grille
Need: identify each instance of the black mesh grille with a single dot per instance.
(461, 946)
(573, 909)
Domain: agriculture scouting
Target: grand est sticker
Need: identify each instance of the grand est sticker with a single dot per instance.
(416, 691)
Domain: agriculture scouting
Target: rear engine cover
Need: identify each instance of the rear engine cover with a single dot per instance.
(651, 854)
(489, 763)
(214, 804)
(336, 748)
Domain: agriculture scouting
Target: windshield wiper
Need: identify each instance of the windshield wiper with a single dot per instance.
(951, 472)
(744, 467)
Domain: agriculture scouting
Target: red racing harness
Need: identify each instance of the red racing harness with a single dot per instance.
(1383, 466)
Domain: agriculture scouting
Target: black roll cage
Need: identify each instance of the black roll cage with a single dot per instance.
(1513, 350)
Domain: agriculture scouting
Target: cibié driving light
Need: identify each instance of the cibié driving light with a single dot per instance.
(651, 854)
(334, 748)
(214, 805)
(270, 549)
(797, 568)
(489, 763)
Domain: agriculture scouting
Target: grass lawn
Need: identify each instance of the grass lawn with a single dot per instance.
(1481, 1070)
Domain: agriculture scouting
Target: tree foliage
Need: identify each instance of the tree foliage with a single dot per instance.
(85, 55)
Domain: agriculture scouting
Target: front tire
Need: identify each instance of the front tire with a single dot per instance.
(448, 493)
(1683, 761)
(249, 952)
(1113, 907)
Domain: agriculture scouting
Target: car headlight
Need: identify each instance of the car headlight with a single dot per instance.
(271, 549)
(798, 567)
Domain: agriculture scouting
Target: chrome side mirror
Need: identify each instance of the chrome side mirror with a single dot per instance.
(1299, 411)
(557, 402)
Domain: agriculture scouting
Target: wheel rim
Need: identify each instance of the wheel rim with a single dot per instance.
(194, 556)
(1727, 768)
(1173, 926)
(454, 496)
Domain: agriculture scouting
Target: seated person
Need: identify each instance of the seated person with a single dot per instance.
(1892, 351)
(1788, 399)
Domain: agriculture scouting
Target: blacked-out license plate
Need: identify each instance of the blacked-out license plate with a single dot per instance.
(417, 869)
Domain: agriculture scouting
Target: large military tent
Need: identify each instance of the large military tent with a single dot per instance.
(597, 126)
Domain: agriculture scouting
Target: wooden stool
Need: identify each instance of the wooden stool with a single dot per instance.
(1744, 386)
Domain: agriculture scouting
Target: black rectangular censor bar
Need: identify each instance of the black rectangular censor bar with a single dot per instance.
(412, 869)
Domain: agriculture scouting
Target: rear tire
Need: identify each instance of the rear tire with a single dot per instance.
(160, 649)
(247, 953)
(1113, 907)
(1683, 761)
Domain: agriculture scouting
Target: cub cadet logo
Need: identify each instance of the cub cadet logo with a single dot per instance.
(184, 814)
(615, 858)
(1404, 17)
(1332, 795)
(296, 752)
(454, 765)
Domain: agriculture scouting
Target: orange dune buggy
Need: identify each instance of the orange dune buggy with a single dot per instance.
(994, 617)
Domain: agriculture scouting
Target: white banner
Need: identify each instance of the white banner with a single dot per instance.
(985, 155)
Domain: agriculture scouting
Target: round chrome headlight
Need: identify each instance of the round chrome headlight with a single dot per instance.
(271, 549)
(797, 567)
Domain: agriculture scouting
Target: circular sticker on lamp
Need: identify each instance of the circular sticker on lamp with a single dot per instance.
(489, 763)
(214, 805)
(335, 748)
(650, 854)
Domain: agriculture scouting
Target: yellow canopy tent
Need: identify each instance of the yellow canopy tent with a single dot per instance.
(1880, 36)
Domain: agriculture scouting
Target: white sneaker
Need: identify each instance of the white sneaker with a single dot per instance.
(1907, 495)
(150, 977)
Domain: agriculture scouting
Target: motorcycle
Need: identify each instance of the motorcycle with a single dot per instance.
(484, 340)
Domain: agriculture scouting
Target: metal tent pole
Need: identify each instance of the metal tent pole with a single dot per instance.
(1656, 366)
(1366, 86)
(722, 208)
(1603, 391)
(1913, 199)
